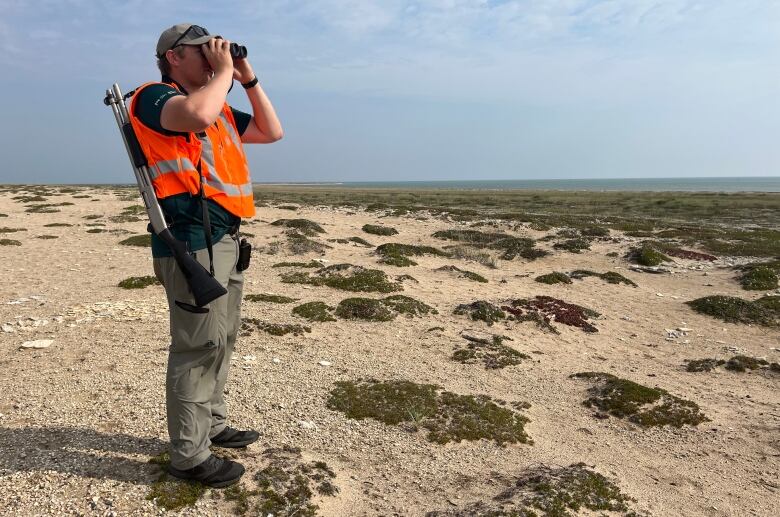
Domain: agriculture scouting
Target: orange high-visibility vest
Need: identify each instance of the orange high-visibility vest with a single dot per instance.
(173, 161)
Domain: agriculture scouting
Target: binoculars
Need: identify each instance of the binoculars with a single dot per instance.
(236, 51)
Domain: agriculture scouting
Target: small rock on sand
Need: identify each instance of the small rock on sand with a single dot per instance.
(38, 343)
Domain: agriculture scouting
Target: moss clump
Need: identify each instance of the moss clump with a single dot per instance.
(361, 241)
(271, 298)
(54, 225)
(9, 242)
(447, 416)
(573, 245)
(300, 244)
(647, 255)
(97, 230)
(702, 365)
(124, 218)
(554, 278)
(241, 497)
(138, 240)
(12, 230)
(481, 310)
(466, 252)
(379, 230)
(305, 226)
(740, 363)
(551, 492)
(396, 254)
(346, 277)
(287, 207)
(462, 273)
(759, 279)
(171, 493)
(646, 407)
(314, 311)
(763, 311)
(408, 305)
(509, 246)
(364, 309)
(594, 231)
(543, 309)
(29, 199)
(285, 486)
(310, 264)
(494, 354)
(92, 217)
(248, 325)
(138, 282)
(47, 237)
(610, 277)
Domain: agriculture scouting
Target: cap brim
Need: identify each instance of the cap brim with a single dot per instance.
(198, 41)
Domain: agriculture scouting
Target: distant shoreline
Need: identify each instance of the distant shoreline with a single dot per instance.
(768, 184)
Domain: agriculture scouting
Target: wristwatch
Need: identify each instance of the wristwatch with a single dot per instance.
(251, 83)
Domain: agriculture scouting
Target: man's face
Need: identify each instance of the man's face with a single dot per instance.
(194, 67)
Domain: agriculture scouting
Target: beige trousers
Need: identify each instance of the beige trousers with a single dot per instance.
(199, 355)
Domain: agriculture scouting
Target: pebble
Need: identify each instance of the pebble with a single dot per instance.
(325, 363)
(659, 294)
(307, 424)
(276, 360)
(38, 343)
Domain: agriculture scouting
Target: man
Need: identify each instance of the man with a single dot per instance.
(193, 140)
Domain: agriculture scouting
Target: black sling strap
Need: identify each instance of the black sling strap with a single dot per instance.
(206, 220)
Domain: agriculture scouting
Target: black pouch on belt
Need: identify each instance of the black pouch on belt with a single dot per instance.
(244, 253)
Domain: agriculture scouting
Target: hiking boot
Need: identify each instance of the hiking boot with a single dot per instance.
(214, 472)
(233, 438)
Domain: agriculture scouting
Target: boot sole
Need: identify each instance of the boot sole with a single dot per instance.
(218, 484)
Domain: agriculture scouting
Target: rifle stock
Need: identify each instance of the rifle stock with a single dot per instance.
(204, 287)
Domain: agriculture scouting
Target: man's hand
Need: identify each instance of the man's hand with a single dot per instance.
(242, 71)
(217, 53)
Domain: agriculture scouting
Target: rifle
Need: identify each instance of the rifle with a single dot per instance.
(205, 288)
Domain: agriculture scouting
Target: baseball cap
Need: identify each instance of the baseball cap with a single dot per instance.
(181, 34)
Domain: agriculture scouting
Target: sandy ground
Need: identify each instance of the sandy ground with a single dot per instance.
(80, 419)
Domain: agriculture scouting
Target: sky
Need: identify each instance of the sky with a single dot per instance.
(402, 90)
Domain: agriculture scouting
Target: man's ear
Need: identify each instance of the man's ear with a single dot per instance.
(172, 57)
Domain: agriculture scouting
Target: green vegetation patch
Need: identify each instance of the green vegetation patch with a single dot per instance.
(48, 208)
(138, 282)
(764, 311)
(300, 244)
(379, 230)
(702, 365)
(9, 242)
(47, 237)
(91, 217)
(446, 416)
(54, 225)
(305, 226)
(347, 277)
(144, 240)
(481, 310)
(554, 278)
(310, 264)
(408, 305)
(646, 407)
(367, 309)
(494, 354)
(509, 246)
(124, 218)
(396, 254)
(466, 252)
(6, 229)
(647, 255)
(759, 279)
(248, 325)
(462, 273)
(551, 492)
(287, 485)
(314, 311)
(573, 245)
(271, 298)
(361, 241)
(3, 215)
(544, 309)
(611, 277)
(171, 493)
